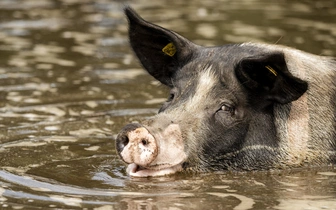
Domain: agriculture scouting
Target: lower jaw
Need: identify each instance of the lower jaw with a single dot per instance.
(132, 170)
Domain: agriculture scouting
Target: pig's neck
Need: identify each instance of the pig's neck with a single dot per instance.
(292, 123)
(297, 132)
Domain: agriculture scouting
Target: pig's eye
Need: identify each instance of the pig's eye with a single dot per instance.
(171, 97)
(166, 104)
(227, 108)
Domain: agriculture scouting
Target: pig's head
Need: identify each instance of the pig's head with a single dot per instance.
(219, 114)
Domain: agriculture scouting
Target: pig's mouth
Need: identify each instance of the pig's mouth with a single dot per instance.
(159, 170)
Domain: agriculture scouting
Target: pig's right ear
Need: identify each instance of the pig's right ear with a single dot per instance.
(267, 77)
(162, 52)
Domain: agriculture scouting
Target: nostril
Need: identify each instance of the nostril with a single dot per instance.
(144, 142)
(122, 142)
(135, 144)
(122, 138)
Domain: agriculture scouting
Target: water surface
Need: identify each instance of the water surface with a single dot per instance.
(69, 82)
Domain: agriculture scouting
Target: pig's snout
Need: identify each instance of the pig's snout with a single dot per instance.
(136, 145)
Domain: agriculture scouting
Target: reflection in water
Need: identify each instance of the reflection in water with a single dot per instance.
(69, 82)
(214, 191)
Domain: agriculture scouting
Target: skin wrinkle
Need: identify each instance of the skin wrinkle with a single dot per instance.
(249, 148)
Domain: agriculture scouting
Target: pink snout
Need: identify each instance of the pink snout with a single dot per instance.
(151, 152)
(136, 145)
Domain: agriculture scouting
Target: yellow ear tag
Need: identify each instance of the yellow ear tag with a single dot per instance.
(169, 49)
(271, 70)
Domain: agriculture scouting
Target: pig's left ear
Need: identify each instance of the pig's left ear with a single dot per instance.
(267, 77)
(162, 52)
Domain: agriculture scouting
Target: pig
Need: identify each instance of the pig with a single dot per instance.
(239, 107)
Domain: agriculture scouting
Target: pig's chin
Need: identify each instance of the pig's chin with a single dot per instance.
(135, 170)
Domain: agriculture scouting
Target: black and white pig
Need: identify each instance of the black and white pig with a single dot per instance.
(233, 107)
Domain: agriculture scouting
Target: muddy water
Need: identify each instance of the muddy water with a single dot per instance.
(69, 82)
